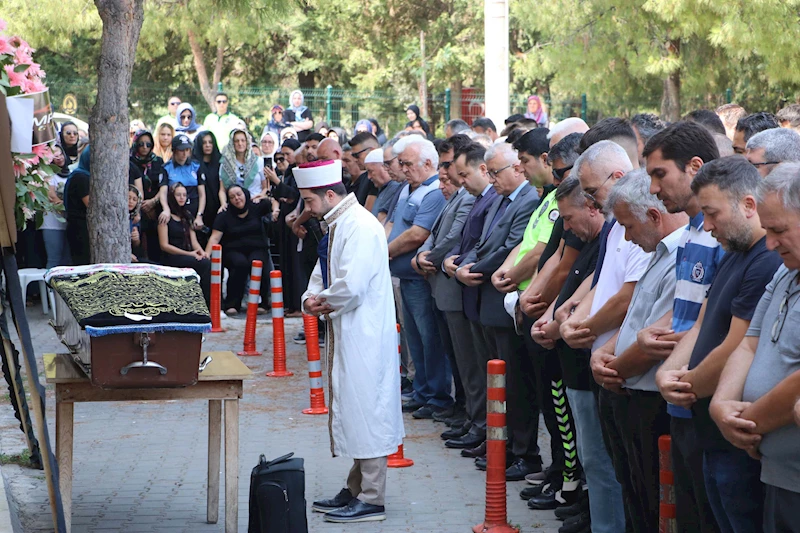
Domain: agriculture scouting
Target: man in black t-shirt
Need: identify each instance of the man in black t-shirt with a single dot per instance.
(586, 222)
(726, 190)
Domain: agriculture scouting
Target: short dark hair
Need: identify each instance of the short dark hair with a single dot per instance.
(566, 150)
(533, 142)
(707, 118)
(514, 135)
(316, 137)
(790, 114)
(607, 129)
(474, 153)
(567, 187)
(455, 142)
(364, 137)
(516, 117)
(222, 94)
(483, 122)
(732, 174)
(682, 141)
(457, 125)
(755, 123)
(647, 125)
(337, 188)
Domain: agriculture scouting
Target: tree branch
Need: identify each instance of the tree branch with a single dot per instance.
(200, 67)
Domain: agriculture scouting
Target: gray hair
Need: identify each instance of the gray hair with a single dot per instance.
(506, 150)
(570, 189)
(567, 124)
(784, 181)
(427, 151)
(779, 144)
(604, 157)
(458, 126)
(633, 190)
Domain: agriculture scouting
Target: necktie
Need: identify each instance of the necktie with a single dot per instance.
(499, 214)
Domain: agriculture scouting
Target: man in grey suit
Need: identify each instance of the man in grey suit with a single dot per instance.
(502, 231)
(445, 234)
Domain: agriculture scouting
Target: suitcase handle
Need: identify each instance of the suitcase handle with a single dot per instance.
(144, 363)
(263, 460)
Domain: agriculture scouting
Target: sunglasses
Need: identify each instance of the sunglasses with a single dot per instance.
(445, 164)
(186, 117)
(174, 103)
(70, 133)
(388, 163)
(280, 159)
(559, 173)
(222, 101)
(145, 144)
(361, 151)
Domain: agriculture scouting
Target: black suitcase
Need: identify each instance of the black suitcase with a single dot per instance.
(278, 496)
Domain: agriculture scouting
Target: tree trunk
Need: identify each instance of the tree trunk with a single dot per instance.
(671, 97)
(423, 80)
(109, 232)
(200, 67)
(219, 62)
(455, 98)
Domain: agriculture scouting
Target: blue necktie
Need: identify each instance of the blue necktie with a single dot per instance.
(499, 214)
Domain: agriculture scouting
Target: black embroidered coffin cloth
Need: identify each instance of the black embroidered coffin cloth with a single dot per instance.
(107, 299)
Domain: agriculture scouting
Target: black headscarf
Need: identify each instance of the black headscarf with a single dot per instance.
(247, 202)
(70, 152)
(183, 213)
(151, 166)
(64, 172)
(197, 149)
(415, 109)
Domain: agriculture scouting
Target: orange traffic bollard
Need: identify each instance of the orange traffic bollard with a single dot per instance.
(397, 459)
(496, 517)
(252, 310)
(216, 288)
(278, 337)
(666, 507)
(314, 367)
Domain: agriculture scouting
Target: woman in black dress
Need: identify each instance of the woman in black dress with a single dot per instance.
(153, 174)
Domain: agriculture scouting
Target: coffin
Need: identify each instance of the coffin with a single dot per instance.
(131, 326)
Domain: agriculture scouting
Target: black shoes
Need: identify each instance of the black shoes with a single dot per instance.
(412, 405)
(474, 453)
(521, 468)
(456, 432)
(455, 417)
(550, 476)
(579, 523)
(547, 499)
(582, 505)
(466, 442)
(357, 511)
(406, 387)
(300, 338)
(340, 500)
(426, 412)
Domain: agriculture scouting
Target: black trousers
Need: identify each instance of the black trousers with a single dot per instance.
(693, 510)
(547, 376)
(447, 342)
(202, 267)
(78, 238)
(522, 406)
(781, 510)
(475, 371)
(239, 263)
(637, 421)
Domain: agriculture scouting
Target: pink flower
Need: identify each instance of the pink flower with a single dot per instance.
(2, 25)
(32, 86)
(43, 151)
(5, 46)
(23, 56)
(15, 79)
(35, 70)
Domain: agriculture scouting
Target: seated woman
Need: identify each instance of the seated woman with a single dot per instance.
(240, 166)
(151, 168)
(179, 246)
(241, 232)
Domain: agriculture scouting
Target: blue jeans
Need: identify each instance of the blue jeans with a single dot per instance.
(433, 379)
(57, 248)
(605, 492)
(734, 488)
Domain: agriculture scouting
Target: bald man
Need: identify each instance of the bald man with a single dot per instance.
(565, 127)
(329, 150)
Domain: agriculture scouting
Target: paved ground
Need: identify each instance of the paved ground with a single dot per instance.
(142, 466)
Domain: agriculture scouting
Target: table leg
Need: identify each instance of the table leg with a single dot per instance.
(64, 420)
(214, 441)
(231, 466)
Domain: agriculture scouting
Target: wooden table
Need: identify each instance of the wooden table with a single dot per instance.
(220, 382)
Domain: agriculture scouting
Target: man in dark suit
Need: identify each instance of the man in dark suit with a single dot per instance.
(502, 231)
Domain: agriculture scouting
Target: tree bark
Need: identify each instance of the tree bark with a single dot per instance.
(423, 81)
(219, 61)
(109, 231)
(455, 98)
(200, 67)
(671, 96)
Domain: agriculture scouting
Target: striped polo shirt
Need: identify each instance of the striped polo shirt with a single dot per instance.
(699, 255)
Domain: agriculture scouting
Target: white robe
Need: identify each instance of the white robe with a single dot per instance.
(365, 419)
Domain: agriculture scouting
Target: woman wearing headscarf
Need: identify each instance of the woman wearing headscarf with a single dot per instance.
(412, 112)
(362, 126)
(163, 148)
(178, 242)
(183, 169)
(322, 128)
(151, 167)
(240, 166)
(138, 246)
(54, 231)
(378, 131)
(276, 123)
(76, 202)
(68, 139)
(187, 121)
(241, 231)
(269, 144)
(299, 116)
(421, 126)
(339, 135)
(288, 133)
(536, 110)
(206, 153)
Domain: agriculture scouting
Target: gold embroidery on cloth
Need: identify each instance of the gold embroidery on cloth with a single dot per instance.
(142, 294)
(330, 342)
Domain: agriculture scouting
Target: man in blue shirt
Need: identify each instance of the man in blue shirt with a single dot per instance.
(419, 204)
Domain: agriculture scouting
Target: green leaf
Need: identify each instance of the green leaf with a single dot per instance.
(21, 68)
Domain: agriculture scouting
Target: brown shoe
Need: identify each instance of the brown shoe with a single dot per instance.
(232, 311)
(294, 314)
(261, 311)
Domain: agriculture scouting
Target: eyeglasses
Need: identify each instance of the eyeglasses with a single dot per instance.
(388, 163)
(186, 117)
(765, 163)
(70, 133)
(494, 173)
(222, 101)
(174, 103)
(780, 320)
(445, 164)
(361, 151)
(559, 173)
(590, 192)
(145, 144)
